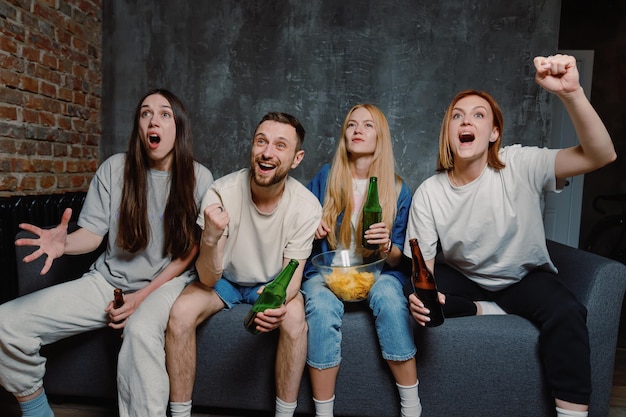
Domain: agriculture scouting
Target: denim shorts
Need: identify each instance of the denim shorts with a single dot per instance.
(232, 294)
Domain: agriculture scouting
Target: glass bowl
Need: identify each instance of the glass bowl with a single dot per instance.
(349, 275)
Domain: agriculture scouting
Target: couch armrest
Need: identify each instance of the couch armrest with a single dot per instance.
(65, 268)
(599, 283)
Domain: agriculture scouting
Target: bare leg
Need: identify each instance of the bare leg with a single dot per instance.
(30, 397)
(323, 382)
(291, 352)
(405, 373)
(566, 405)
(194, 305)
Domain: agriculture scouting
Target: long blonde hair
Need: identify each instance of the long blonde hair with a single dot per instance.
(339, 197)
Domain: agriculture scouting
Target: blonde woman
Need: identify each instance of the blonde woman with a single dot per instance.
(364, 150)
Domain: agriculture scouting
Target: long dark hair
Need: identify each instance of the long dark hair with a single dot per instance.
(180, 212)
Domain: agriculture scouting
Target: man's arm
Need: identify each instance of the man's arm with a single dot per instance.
(210, 260)
(296, 281)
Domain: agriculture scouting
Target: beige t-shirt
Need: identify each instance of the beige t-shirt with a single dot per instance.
(257, 242)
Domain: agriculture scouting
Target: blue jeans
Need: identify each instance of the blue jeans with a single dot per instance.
(324, 313)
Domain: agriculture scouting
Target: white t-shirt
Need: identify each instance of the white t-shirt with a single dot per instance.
(257, 242)
(100, 215)
(491, 229)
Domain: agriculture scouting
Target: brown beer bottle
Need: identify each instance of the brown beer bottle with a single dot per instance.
(424, 286)
(118, 301)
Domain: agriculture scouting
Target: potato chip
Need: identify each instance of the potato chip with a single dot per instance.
(350, 284)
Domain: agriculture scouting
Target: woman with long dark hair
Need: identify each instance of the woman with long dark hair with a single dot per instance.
(145, 203)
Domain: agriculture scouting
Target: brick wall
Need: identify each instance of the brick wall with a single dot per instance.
(50, 93)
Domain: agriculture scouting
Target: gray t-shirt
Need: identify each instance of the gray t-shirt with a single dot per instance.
(100, 214)
(491, 229)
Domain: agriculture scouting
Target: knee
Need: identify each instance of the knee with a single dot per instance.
(13, 331)
(386, 286)
(568, 311)
(5, 323)
(322, 304)
(182, 319)
(387, 291)
(294, 325)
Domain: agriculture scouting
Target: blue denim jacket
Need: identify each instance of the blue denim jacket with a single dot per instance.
(318, 187)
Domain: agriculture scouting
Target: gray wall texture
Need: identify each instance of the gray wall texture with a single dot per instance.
(233, 61)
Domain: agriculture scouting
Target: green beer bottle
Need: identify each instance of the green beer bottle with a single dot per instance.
(372, 212)
(273, 295)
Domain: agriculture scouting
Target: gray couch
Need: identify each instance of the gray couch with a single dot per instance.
(470, 366)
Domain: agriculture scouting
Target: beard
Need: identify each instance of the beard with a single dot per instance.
(279, 173)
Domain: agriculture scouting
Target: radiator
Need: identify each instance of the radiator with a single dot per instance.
(40, 210)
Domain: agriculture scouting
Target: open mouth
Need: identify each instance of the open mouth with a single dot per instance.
(466, 137)
(266, 167)
(153, 141)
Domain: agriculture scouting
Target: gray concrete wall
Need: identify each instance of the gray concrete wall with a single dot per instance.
(232, 61)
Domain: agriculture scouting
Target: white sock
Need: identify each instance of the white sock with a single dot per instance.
(324, 408)
(561, 412)
(181, 409)
(285, 409)
(490, 308)
(410, 405)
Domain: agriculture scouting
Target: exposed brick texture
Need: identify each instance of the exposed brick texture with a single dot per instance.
(50, 95)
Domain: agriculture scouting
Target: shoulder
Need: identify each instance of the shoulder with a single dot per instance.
(434, 181)
(526, 154)
(201, 169)
(403, 191)
(512, 151)
(118, 159)
(232, 179)
(113, 165)
(321, 175)
(404, 188)
(324, 170)
(318, 184)
(520, 151)
(301, 194)
(203, 174)
(432, 187)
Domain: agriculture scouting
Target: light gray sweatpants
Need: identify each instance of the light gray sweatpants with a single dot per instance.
(29, 322)
(142, 382)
